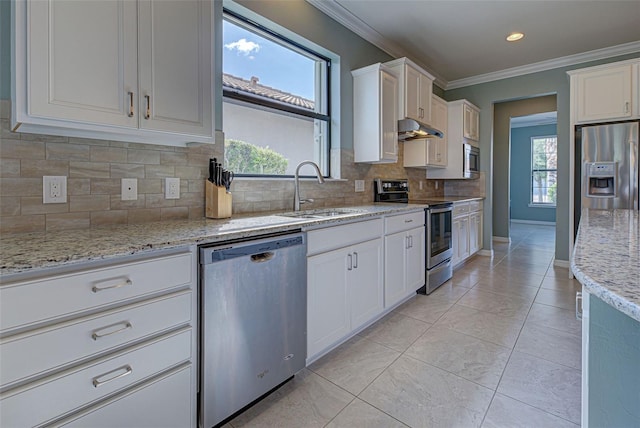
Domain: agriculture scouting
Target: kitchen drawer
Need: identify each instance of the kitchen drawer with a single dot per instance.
(48, 348)
(398, 223)
(460, 208)
(67, 392)
(31, 302)
(166, 402)
(475, 206)
(331, 238)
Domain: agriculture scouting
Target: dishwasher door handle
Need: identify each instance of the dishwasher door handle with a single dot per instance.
(262, 257)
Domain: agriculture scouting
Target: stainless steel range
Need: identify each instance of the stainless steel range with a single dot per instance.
(438, 221)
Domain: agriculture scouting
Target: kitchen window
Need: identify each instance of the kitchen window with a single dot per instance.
(544, 171)
(275, 101)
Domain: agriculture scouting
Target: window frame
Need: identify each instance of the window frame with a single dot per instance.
(532, 170)
(270, 105)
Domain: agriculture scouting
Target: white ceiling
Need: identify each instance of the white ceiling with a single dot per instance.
(463, 42)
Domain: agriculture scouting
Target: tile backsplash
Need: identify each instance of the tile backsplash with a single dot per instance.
(95, 168)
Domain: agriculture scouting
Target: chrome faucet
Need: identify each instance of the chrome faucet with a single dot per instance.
(296, 196)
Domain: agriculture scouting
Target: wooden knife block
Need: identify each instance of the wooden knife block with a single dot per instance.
(217, 201)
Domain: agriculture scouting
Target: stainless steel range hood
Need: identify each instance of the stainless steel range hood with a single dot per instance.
(410, 129)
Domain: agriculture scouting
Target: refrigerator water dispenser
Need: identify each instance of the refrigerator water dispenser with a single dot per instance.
(601, 179)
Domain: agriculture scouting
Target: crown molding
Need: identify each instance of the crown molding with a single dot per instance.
(344, 17)
(623, 49)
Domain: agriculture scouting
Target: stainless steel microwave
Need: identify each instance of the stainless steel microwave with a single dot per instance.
(470, 161)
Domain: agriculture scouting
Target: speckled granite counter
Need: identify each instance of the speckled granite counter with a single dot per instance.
(31, 252)
(606, 258)
(455, 199)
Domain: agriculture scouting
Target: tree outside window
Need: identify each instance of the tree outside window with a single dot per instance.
(544, 170)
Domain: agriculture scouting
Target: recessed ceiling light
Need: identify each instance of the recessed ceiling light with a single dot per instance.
(514, 37)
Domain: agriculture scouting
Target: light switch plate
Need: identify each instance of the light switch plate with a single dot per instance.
(54, 189)
(129, 189)
(359, 185)
(172, 188)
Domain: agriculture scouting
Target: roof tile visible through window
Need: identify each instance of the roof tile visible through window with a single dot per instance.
(253, 87)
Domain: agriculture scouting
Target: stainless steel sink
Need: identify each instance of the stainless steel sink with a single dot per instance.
(324, 213)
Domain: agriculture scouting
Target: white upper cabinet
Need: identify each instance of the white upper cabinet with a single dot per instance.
(375, 115)
(430, 152)
(471, 122)
(415, 90)
(122, 70)
(607, 92)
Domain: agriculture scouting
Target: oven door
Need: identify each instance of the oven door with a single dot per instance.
(439, 236)
(471, 161)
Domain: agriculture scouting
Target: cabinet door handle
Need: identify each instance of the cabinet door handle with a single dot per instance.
(355, 260)
(97, 289)
(410, 241)
(97, 334)
(406, 242)
(99, 381)
(626, 107)
(147, 112)
(350, 265)
(579, 305)
(130, 104)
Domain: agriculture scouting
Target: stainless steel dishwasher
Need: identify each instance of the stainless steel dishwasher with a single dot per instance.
(253, 320)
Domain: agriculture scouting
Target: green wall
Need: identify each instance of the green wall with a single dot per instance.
(520, 174)
(485, 95)
(5, 49)
(614, 367)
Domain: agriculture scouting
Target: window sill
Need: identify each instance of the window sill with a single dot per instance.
(542, 206)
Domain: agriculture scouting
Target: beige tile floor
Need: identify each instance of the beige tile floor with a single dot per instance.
(496, 346)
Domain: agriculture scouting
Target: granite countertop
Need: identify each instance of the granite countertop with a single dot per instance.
(28, 253)
(606, 257)
(455, 199)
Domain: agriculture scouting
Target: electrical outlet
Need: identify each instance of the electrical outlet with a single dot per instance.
(129, 189)
(172, 188)
(54, 189)
(359, 185)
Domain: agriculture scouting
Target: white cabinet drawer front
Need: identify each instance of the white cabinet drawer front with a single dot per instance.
(34, 301)
(398, 223)
(330, 238)
(59, 345)
(161, 403)
(65, 393)
(460, 208)
(475, 206)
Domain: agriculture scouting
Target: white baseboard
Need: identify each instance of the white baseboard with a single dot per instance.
(501, 239)
(561, 263)
(485, 253)
(541, 223)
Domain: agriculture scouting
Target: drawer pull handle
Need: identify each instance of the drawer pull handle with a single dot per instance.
(147, 113)
(96, 289)
(97, 333)
(130, 114)
(409, 221)
(124, 371)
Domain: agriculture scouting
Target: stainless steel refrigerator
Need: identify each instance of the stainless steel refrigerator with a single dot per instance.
(607, 168)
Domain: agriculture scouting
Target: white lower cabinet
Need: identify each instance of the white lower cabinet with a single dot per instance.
(114, 329)
(344, 285)
(467, 230)
(162, 402)
(404, 257)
